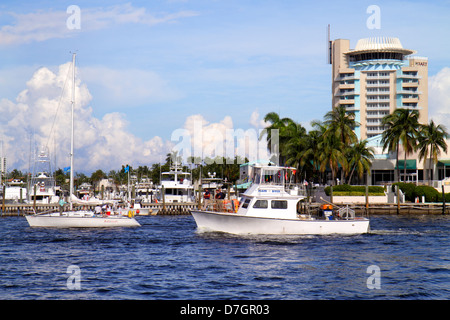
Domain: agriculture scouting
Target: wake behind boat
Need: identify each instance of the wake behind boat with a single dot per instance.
(267, 208)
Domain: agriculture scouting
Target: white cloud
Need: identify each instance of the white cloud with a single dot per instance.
(439, 97)
(99, 143)
(44, 25)
(202, 139)
(256, 122)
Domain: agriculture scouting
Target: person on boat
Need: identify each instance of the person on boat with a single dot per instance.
(61, 205)
(207, 195)
(220, 194)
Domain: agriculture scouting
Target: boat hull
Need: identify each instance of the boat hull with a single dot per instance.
(80, 222)
(239, 224)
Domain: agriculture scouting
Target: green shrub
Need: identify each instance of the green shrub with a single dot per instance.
(430, 193)
(345, 189)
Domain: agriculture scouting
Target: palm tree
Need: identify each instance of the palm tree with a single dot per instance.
(285, 127)
(341, 124)
(431, 141)
(401, 127)
(331, 154)
(294, 147)
(360, 158)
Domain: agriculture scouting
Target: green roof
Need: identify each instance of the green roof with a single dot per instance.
(445, 163)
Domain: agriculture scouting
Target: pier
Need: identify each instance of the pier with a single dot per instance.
(154, 208)
(185, 208)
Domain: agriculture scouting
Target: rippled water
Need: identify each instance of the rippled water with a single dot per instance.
(167, 258)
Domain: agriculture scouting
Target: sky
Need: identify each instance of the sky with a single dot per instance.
(148, 70)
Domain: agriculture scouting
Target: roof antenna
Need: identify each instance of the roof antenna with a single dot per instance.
(329, 51)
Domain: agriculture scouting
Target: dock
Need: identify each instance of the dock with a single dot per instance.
(185, 208)
(154, 208)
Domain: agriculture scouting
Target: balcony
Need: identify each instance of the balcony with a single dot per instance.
(409, 76)
(404, 91)
(410, 100)
(414, 84)
(347, 77)
(378, 92)
(377, 85)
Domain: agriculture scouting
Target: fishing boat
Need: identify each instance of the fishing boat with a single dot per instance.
(80, 218)
(267, 207)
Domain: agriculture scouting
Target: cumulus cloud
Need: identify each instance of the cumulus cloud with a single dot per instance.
(201, 139)
(439, 97)
(256, 122)
(44, 25)
(41, 113)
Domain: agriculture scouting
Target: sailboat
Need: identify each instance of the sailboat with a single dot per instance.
(81, 218)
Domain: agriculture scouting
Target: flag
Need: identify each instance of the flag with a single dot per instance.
(127, 168)
(66, 169)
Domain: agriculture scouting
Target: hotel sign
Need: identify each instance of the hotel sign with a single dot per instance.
(421, 63)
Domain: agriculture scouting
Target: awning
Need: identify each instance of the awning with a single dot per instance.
(244, 185)
(444, 163)
(410, 164)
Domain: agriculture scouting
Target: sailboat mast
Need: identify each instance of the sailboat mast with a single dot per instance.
(72, 132)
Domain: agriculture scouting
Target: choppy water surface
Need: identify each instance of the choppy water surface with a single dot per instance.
(167, 258)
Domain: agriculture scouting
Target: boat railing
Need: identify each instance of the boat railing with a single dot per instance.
(221, 205)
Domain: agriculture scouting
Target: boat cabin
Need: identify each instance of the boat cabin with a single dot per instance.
(267, 197)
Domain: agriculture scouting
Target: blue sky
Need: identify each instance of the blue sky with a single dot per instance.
(156, 63)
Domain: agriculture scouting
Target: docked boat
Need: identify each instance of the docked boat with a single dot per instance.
(267, 207)
(79, 218)
(176, 186)
(42, 187)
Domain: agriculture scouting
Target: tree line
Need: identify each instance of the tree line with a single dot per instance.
(332, 145)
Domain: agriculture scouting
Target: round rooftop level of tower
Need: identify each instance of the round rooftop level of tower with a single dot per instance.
(380, 44)
(379, 48)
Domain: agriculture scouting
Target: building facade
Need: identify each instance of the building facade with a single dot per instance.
(371, 81)
(375, 78)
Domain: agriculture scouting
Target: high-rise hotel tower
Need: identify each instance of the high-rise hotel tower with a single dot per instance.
(375, 78)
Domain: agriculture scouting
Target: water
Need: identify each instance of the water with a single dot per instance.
(167, 258)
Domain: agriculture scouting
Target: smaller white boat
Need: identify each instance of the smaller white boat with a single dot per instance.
(80, 219)
(268, 208)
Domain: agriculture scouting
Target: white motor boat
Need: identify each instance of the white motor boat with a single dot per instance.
(79, 219)
(176, 186)
(267, 208)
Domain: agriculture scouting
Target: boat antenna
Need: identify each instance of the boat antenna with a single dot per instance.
(72, 132)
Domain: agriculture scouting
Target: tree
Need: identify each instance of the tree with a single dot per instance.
(285, 128)
(360, 158)
(432, 139)
(331, 154)
(96, 177)
(401, 127)
(341, 124)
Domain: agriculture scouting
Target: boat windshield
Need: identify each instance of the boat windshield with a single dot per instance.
(273, 176)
